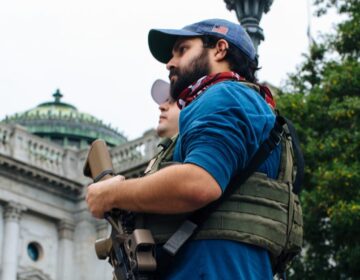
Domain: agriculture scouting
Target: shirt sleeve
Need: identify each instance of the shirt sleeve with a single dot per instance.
(222, 129)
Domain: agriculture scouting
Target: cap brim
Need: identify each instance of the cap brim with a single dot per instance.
(160, 91)
(161, 42)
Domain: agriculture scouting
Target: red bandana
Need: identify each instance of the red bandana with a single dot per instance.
(196, 89)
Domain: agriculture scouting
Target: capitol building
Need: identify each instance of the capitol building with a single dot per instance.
(46, 231)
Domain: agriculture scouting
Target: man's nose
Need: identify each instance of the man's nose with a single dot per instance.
(164, 106)
(171, 63)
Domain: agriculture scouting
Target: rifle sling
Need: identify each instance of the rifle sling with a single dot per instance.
(103, 174)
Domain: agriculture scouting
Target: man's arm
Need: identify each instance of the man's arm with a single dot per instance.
(175, 189)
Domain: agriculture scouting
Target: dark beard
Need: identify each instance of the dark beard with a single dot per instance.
(198, 68)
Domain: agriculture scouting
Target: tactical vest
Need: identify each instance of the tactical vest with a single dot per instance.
(263, 212)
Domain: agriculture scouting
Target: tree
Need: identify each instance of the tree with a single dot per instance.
(322, 99)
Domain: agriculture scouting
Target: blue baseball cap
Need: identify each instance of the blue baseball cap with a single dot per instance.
(161, 41)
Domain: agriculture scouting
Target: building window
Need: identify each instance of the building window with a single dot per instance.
(34, 251)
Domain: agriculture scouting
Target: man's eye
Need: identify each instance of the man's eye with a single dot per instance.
(183, 49)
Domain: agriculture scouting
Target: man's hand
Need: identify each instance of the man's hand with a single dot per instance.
(175, 189)
(100, 195)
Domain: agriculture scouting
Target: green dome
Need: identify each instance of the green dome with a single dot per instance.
(64, 124)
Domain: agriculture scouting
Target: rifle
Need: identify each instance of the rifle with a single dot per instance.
(131, 252)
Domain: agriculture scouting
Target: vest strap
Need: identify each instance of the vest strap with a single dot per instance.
(175, 242)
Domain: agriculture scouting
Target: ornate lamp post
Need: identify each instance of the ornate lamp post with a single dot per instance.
(249, 13)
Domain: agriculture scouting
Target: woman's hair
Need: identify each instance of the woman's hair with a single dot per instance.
(238, 61)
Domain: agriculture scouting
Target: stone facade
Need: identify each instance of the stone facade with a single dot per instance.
(46, 231)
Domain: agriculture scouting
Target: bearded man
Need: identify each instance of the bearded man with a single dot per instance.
(224, 119)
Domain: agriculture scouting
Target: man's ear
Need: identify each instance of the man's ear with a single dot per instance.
(221, 48)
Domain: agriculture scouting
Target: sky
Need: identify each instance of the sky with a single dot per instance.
(96, 52)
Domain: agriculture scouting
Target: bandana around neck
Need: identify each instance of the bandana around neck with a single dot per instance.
(193, 91)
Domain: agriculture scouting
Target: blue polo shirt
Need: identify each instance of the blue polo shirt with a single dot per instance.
(220, 131)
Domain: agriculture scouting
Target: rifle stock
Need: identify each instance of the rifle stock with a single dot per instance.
(98, 165)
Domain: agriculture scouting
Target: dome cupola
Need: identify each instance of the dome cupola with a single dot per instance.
(63, 123)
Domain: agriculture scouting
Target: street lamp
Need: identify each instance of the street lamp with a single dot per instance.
(249, 13)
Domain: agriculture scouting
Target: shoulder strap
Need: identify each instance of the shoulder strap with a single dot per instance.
(164, 155)
(195, 221)
(299, 158)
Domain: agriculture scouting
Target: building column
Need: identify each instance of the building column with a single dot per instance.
(1, 235)
(12, 215)
(66, 250)
(104, 269)
(102, 229)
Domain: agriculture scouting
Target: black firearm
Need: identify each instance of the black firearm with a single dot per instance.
(130, 251)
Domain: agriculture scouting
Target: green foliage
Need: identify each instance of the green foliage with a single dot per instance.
(323, 101)
(309, 73)
(348, 38)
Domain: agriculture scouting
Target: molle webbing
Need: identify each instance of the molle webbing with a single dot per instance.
(256, 214)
